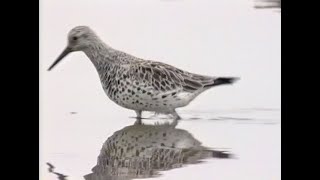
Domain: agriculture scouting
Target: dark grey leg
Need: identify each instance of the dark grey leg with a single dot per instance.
(139, 113)
(175, 115)
(138, 121)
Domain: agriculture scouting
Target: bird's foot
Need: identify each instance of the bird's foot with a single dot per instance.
(138, 121)
(176, 116)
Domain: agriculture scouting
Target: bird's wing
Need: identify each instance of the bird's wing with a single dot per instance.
(164, 77)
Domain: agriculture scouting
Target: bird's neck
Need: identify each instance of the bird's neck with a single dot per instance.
(103, 56)
(100, 54)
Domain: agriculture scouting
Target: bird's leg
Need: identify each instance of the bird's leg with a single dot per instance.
(138, 121)
(138, 112)
(176, 116)
(174, 123)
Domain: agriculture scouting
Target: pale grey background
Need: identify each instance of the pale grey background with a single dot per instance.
(211, 37)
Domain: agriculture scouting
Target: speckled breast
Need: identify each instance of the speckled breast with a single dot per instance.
(125, 90)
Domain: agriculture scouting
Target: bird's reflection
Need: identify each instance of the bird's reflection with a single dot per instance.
(142, 151)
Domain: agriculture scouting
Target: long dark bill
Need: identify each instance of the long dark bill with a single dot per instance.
(62, 55)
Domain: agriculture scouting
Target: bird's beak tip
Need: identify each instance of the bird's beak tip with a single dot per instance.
(62, 55)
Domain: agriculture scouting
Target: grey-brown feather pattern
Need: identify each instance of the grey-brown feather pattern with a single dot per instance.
(164, 77)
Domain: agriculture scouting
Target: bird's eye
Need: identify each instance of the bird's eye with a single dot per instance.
(75, 38)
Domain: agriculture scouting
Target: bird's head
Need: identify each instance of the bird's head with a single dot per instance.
(79, 38)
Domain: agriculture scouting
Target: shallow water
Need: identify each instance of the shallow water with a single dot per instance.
(232, 38)
(251, 136)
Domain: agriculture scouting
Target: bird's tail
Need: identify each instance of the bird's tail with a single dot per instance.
(222, 81)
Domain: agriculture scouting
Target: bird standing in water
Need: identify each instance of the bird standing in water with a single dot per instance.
(138, 84)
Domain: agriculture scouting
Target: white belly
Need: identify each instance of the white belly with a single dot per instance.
(162, 103)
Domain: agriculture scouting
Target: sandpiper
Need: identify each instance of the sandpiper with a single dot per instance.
(138, 84)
